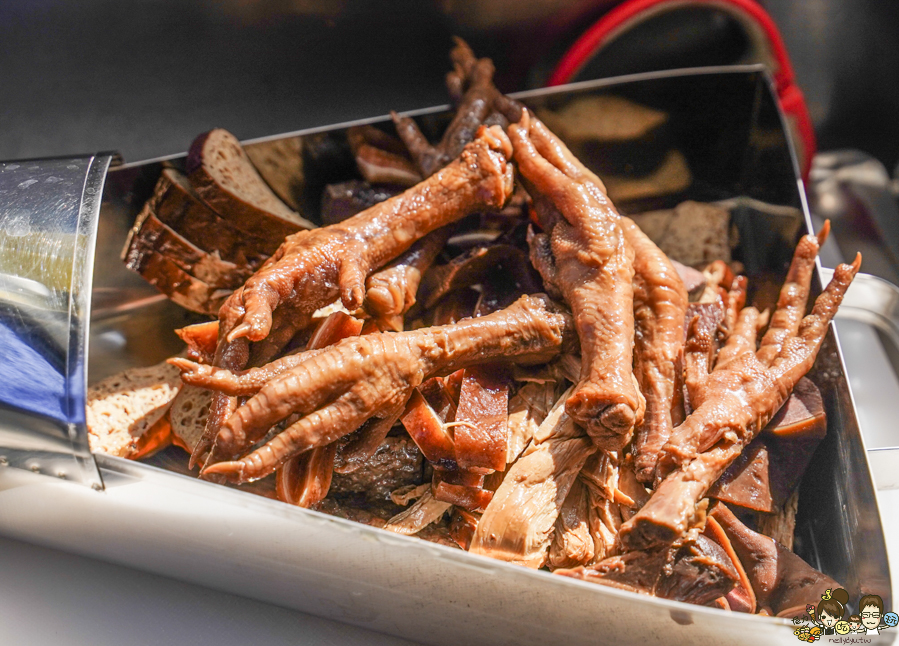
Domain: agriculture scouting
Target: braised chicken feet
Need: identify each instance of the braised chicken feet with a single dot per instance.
(737, 399)
(336, 389)
(313, 268)
(591, 264)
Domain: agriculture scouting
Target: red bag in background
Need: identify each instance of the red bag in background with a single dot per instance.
(551, 42)
(644, 35)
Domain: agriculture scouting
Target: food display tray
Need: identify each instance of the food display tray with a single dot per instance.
(727, 125)
(869, 321)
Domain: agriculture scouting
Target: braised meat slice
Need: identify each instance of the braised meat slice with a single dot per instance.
(782, 582)
(419, 515)
(395, 463)
(345, 199)
(701, 571)
(381, 158)
(591, 265)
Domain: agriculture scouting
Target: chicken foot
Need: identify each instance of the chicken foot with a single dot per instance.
(312, 268)
(740, 398)
(765, 393)
(660, 302)
(336, 389)
(660, 305)
(592, 266)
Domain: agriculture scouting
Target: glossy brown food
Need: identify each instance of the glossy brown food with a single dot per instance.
(737, 400)
(589, 262)
(391, 291)
(314, 267)
(338, 388)
(587, 439)
(660, 305)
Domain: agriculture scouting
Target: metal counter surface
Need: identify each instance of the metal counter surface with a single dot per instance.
(51, 597)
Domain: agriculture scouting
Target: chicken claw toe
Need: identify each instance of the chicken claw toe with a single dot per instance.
(319, 428)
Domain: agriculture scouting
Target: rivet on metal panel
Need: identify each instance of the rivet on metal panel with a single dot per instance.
(96, 486)
(61, 475)
(36, 468)
(4, 462)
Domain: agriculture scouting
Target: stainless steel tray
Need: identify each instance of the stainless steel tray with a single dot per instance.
(868, 321)
(727, 125)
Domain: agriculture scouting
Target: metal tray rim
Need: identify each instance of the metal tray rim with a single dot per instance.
(121, 466)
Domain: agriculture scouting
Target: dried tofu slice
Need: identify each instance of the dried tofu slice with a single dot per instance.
(123, 408)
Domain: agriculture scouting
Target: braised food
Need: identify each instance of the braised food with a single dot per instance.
(497, 359)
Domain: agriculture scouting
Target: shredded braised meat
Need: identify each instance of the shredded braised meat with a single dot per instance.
(517, 525)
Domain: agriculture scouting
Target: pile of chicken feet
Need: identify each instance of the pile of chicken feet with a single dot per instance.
(604, 480)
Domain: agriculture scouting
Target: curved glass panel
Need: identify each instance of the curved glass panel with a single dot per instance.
(48, 223)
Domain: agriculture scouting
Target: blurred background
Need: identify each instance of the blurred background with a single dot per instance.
(144, 77)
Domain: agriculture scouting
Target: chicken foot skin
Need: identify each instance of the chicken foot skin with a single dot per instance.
(660, 305)
(391, 291)
(312, 268)
(342, 386)
(741, 397)
(592, 266)
(321, 264)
